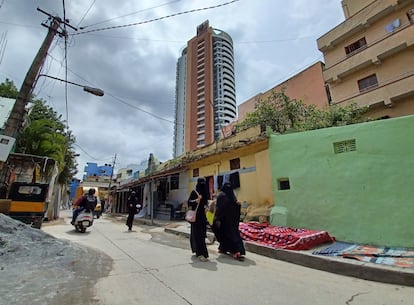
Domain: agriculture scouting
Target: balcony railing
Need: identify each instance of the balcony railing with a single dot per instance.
(386, 92)
(356, 23)
(372, 54)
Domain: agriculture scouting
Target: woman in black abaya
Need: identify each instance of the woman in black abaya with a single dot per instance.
(226, 223)
(199, 227)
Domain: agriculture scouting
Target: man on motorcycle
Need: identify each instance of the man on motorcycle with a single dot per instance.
(88, 201)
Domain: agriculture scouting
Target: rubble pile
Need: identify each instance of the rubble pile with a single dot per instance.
(37, 268)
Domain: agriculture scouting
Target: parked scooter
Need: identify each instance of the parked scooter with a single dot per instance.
(84, 220)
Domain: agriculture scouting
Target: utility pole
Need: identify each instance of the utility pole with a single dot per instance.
(16, 118)
(110, 184)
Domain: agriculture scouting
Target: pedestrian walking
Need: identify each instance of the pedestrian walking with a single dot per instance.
(226, 223)
(133, 206)
(198, 232)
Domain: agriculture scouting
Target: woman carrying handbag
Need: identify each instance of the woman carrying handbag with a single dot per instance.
(197, 202)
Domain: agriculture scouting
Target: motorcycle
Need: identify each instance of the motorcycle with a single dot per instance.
(84, 220)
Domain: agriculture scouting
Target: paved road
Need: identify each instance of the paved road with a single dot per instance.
(154, 267)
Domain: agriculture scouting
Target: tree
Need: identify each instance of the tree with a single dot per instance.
(8, 89)
(44, 134)
(281, 113)
(277, 111)
(70, 166)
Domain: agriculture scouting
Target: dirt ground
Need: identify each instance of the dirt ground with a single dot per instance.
(37, 268)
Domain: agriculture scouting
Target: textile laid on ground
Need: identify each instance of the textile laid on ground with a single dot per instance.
(335, 249)
(379, 255)
(382, 255)
(283, 237)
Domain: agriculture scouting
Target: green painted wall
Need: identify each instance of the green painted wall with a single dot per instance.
(364, 196)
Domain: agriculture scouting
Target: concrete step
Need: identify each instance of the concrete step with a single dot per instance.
(163, 213)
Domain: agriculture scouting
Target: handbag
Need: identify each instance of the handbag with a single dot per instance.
(190, 215)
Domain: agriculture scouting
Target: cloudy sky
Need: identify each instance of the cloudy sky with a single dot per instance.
(129, 50)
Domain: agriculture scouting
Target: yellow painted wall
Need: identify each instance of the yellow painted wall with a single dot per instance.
(255, 178)
(264, 180)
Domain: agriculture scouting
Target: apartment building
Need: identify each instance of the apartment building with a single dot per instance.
(205, 89)
(308, 85)
(369, 58)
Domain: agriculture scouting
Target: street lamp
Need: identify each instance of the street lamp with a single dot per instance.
(16, 116)
(94, 91)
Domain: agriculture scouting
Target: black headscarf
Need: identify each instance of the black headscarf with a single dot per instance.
(201, 187)
(228, 190)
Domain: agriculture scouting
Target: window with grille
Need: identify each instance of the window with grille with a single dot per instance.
(368, 83)
(355, 47)
(344, 146)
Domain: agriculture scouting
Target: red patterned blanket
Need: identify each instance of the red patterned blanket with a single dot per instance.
(283, 237)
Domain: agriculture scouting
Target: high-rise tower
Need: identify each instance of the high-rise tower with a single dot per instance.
(205, 89)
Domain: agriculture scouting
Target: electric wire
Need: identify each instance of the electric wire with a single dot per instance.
(83, 150)
(121, 100)
(130, 14)
(138, 108)
(86, 13)
(286, 77)
(157, 19)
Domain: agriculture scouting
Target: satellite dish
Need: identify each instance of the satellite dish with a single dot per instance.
(396, 23)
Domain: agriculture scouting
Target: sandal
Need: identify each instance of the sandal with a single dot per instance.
(202, 258)
(238, 257)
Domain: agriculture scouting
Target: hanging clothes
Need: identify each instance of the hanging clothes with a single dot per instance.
(234, 180)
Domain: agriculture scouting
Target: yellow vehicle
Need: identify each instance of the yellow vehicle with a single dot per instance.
(81, 191)
(26, 202)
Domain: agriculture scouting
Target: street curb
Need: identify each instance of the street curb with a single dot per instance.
(177, 232)
(337, 265)
(351, 268)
